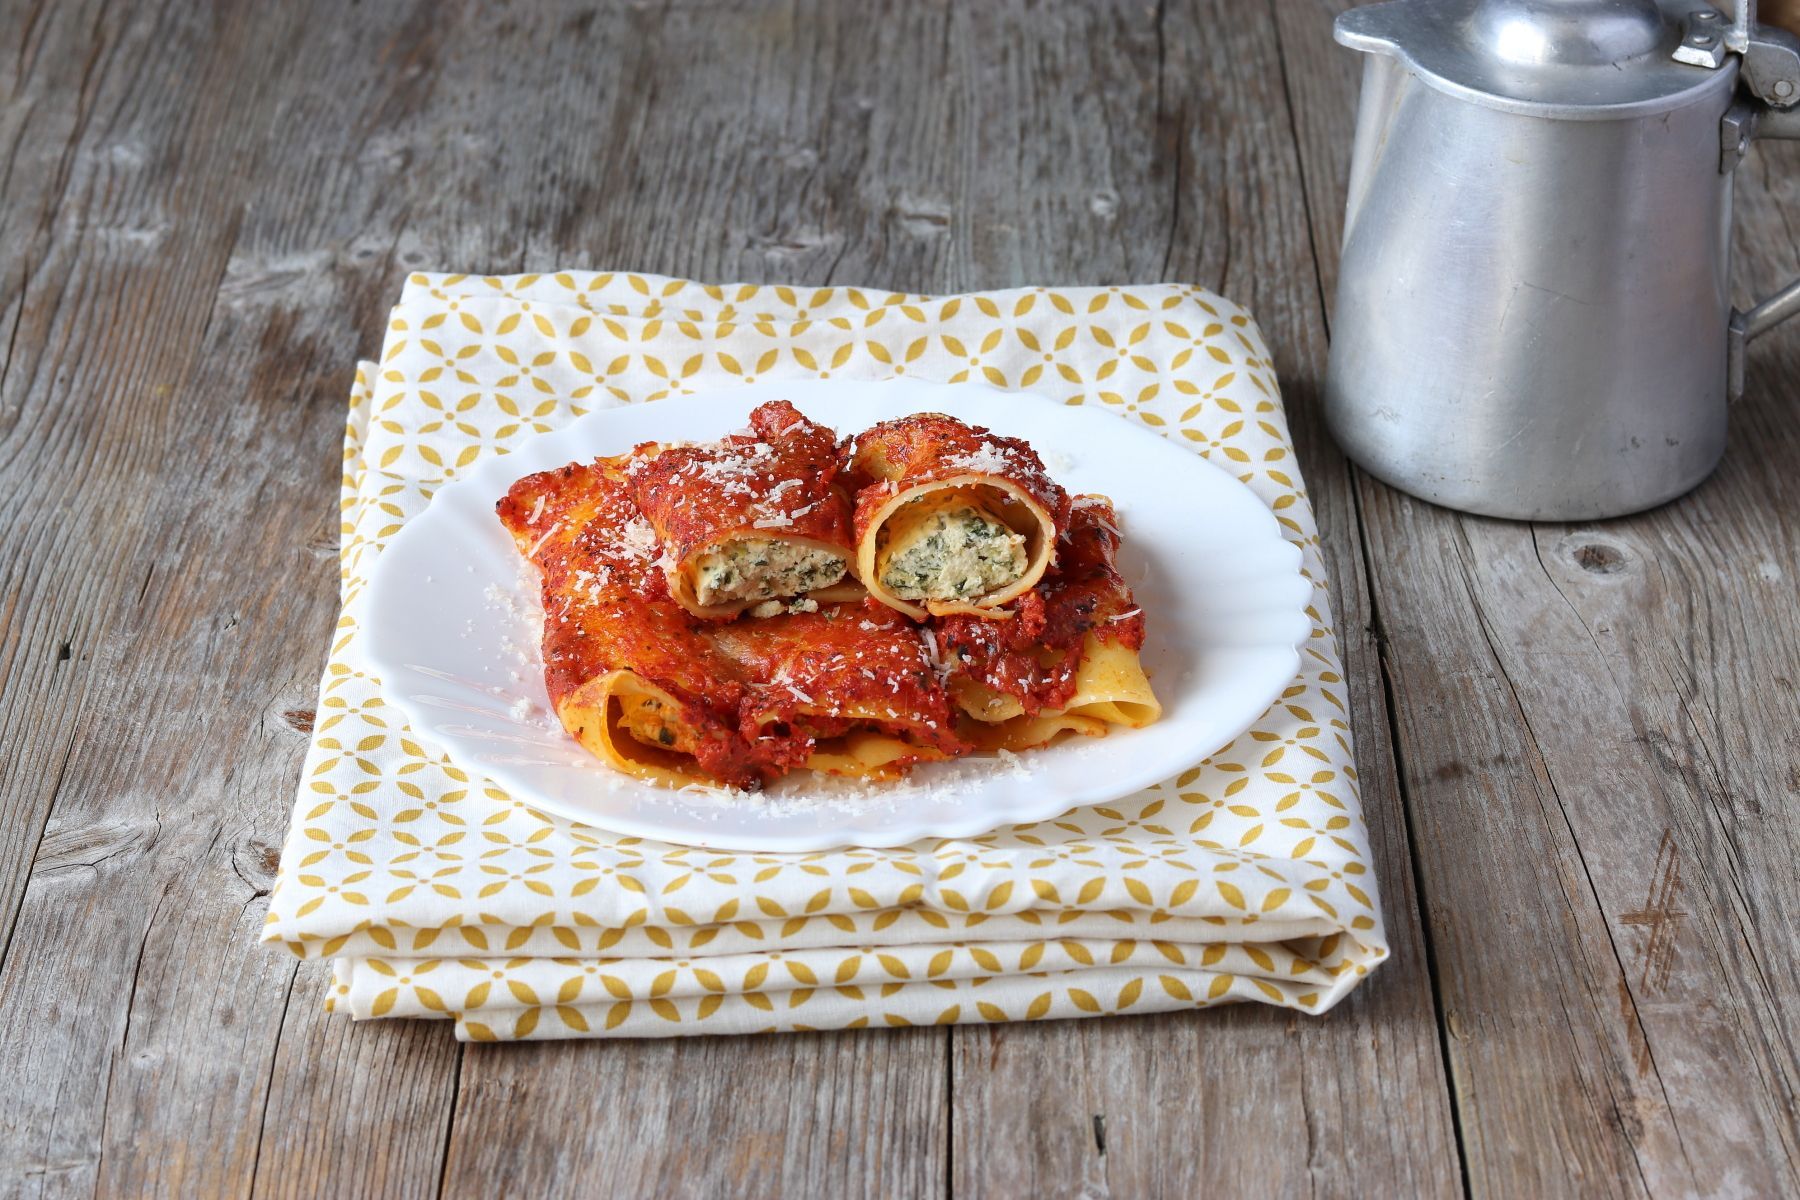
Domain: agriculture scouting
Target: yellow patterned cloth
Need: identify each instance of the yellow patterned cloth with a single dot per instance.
(435, 894)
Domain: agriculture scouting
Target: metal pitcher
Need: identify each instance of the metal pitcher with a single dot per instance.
(1533, 312)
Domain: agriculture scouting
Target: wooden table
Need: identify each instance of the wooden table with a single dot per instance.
(1578, 743)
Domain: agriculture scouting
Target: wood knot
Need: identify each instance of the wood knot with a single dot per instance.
(67, 848)
(921, 217)
(1596, 553)
(300, 718)
(256, 862)
(1602, 560)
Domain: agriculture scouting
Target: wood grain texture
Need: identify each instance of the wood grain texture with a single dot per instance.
(169, 463)
(91, 517)
(1330, 1104)
(859, 1114)
(353, 1110)
(1591, 730)
(50, 83)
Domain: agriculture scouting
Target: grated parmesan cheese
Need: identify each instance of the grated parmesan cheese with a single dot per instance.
(539, 544)
(989, 460)
(806, 793)
(933, 655)
(637, 539)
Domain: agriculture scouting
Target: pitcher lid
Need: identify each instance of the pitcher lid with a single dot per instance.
(1570, 59)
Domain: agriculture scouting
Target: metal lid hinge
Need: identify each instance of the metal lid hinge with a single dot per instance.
(1771, 57)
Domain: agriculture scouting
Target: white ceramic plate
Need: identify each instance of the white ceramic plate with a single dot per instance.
(450, 630)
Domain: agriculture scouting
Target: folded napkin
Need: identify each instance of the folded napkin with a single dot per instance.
(435, 894)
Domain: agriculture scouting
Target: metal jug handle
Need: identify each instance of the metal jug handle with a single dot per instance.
(1771, 74)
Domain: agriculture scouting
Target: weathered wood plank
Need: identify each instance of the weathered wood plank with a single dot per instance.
(79, 562)
(803, 1114)
(164, 602)
(1250, 1101)
(936, 148)
(51, 84)
(1590, 730)
(754, 168)
(353, 1109)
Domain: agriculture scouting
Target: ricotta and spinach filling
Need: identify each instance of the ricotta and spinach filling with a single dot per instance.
(763, 569)
(956, 552)
(643, 717)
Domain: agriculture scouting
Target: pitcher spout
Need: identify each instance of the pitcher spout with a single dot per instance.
(1374, 28)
